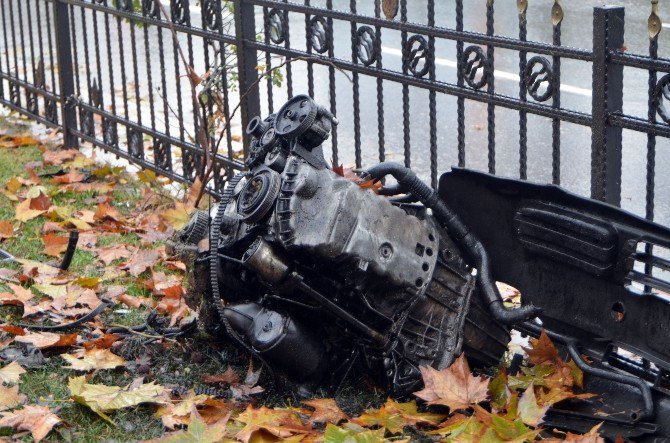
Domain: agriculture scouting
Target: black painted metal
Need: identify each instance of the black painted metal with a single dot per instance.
(140, 106)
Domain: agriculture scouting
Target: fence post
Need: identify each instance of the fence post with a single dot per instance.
(606, 145)
(65, 73)
(245, 30)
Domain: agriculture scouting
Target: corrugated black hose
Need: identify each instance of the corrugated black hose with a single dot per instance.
(469, 243)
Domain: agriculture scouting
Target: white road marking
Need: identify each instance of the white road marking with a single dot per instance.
(497, 73)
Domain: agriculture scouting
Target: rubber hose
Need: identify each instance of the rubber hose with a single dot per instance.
(468, 242)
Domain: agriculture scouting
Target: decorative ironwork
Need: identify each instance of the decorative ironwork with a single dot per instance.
(31, 103)
(14, 94)
(539, 78)
(475, 67)
(125, 5)
(162, 155)
(179, 12)
(277, 22)
(417, 56)
(150, 9)
(390, 8)
(109, 133)
(212, 14)
(662, 97)
(51, 111)
(135, 144)
(654, 24)
(191, 164)
(86, 122)
(366, 45)
(556, 13)
(319, 31)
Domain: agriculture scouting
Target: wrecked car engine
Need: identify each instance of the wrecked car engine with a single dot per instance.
(318, 276)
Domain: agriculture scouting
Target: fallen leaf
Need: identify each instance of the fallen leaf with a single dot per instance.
(103, 342)
(102, 398)
(6, 229)
(59, 156)
(93, 359)
(135, 302)
(529, 410)
(325, 411)
(39, 420)
(280, 423)
(335, 434)
(24, 213)
(198, 431)
(44, 340)
(395, 416)
(141, 261)
(178, 412)
(454, 386)
(542, 350)
(108, 255)
(72, 176)
(11, 373)
(54, 245)
(10, 398)
(229, 377)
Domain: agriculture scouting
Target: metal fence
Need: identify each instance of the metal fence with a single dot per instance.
(109, 72)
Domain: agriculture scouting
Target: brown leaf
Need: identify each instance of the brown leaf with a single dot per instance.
(454, 386)
(6, 229)
(93, 359)
(280, 423)
(390, 8)
(23, 212)
(103, 342)
(39, 420)
(350, 175)
(325, 411)
(59, 156)
(40, 203)
(229, 377)
(11, 373)
(10, 397)
(542, 350)
(72, 176)
(108, 255)
(12, 329)
(135, 302)
(141, 261)
(107, 212)
(44, 340)
(54, 245)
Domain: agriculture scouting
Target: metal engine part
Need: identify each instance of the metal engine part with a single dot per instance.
(318, 276)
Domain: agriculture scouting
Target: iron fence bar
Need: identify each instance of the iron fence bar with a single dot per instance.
(432, 99)
(31, 101)
(490, 89)
(557, 19)
(22, 111)
(405, 87)
(639, 125)
(29, 86)
(639, 61)
(268, 62)
(460, 82)
(577, 117)
(310, 65)
(157, 134)
(6, 41)
(65, 76)
(437, 32)
(14, 96)
(193, 31)
(355, 90)
(245, 30)
(522, 6)
(606, 141)
(331, 81)
(380, 86)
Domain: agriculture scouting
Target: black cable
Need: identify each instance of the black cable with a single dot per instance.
(468, 242)
(94, 313)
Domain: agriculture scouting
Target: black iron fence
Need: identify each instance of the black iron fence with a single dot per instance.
(406, 74)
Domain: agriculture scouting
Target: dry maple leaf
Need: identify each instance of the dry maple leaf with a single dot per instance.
(135, 302)
(229, 377)
(178, 412)
(54, 245)
(11, 373)
(72, 176)
(325, 411)
(198, 431)
(141, 261)
(57, 157)
(6, 229)
(23, 212)
(39, 420)
(542, 350)
(10, 397)
(280, 423)
(44, 340)
(93, 359)
(102, 398)
(103, 342)
(110, 254)
(454, 386)
(395, 416)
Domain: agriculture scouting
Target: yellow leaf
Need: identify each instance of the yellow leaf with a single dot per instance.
(23, 213)
(177, 217)
(93, 359)
(102, 398)
(11, 373)
(10, 398)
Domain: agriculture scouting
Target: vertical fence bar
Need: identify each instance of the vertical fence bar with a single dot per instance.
(490, 88)
(522, 6)
(65, 74)
(356, 89)
(245, 30)
(608, 31)
(556, 18)
(380, 86)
